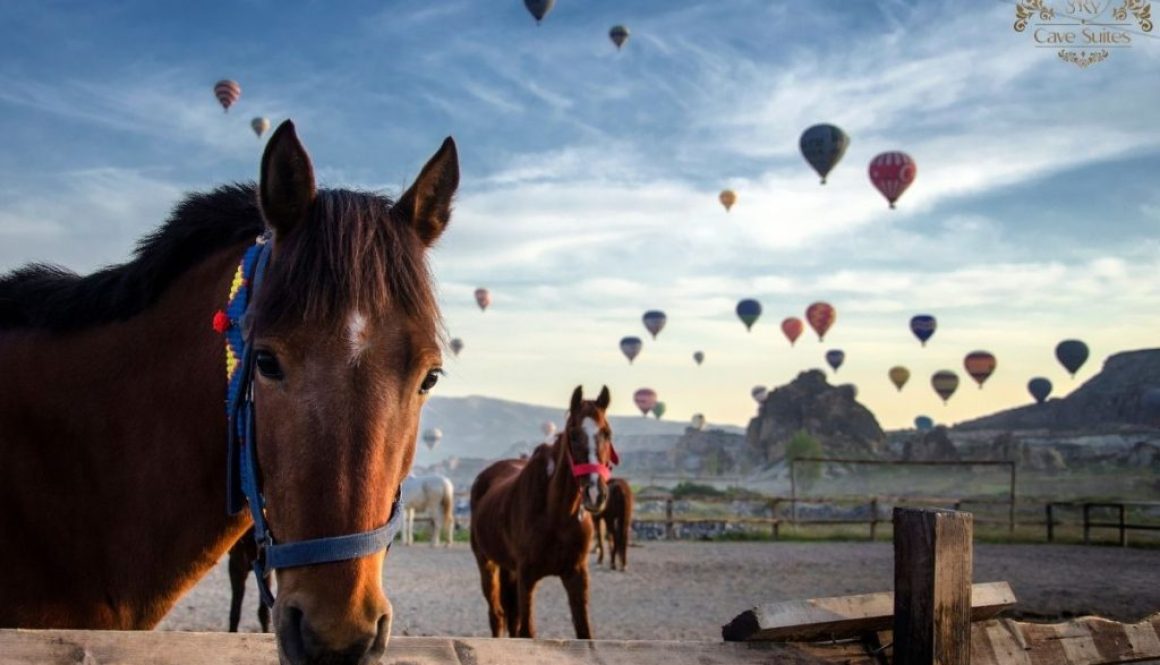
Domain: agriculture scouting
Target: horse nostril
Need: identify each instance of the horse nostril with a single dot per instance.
(290, 638)
(379, 645)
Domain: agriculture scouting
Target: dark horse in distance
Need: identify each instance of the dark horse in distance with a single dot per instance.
(530, 518)
(616, 522)
(113, 431)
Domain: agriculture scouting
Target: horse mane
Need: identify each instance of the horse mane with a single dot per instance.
(368, 257)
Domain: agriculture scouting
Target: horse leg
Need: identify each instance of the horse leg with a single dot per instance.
(489, 577)
(436, 527)
(576, 585)
(599, 523)
(408, 526)
(526, 587)
(449, 517)
(263, 611)
(510, 599)
(620, 544)
(239, 568)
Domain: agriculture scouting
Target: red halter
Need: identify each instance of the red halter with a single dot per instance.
(605, 472)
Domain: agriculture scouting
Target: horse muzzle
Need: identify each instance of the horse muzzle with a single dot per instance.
(302, 641)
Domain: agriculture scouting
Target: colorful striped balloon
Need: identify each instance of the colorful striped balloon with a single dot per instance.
(980, 365)
(892, 172)
(821, 316)
(945, 383)
(227, 92)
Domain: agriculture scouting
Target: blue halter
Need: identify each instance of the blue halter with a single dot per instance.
(242, 467)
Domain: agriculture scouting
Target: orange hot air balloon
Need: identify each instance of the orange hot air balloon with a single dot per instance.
(791, 327)
(899, 375)
(980, 365)
(227, 92)
(727, 197)
(821, 316)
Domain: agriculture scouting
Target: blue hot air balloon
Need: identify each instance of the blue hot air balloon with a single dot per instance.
(748, 310)
(630, 347)
(539, 8)
(1039, 388)
(923, 325)
(822, 146)
(1072, 354)
(654, 320)
(923, 423)
(835, 357)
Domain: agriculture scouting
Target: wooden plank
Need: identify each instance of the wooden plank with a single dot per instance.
(1084, 641)
(843, 617)
(75, 647)
(932, 587)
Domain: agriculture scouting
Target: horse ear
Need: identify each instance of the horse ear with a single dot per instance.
(604, 400)
(577, 398)
(426, 206)
(286, 190)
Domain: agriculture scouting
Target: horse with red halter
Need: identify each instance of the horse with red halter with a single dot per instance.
(530, 518)
(114, 498)
(615, 521)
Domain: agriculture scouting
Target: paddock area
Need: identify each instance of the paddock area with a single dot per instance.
(688, 590)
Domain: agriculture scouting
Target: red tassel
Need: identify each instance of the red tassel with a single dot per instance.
(221, 322)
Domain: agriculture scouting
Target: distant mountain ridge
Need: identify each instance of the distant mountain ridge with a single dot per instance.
(1112, 398)
(488, 427)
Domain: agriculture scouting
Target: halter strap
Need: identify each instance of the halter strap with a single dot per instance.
(242, 472)
(584, 469)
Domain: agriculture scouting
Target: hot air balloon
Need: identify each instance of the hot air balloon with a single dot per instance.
(658, 410)
(980, 365)
(227, 92)
(431, 437)
(698, 357)
(748, 311)
(1072, 354)
(759, 393)
(698, 422)
(823, 146)
(619, 35)
(654, 320)
(892, 173)
(923, 423)
(945, 382)
(630, 347)
(792, 329)
(482, 298)
(549, 429)
(645, 399)
(923, 325)
(727, 197)
(899, 375)
(821, 316)
(456, 346)
(539, 8)
(835, 358)
(1039, 388)
(260, 125)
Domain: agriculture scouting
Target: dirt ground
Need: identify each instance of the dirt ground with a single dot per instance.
(687, 590)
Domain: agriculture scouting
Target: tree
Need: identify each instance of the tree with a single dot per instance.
(803, 444)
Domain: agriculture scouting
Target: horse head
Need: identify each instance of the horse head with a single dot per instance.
(588, 439)
(344, 331)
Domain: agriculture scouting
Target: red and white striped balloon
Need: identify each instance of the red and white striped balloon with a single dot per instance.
(227, 92)
(892, 172)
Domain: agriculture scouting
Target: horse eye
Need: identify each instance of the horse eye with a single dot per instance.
(429, 381)
(268, 365)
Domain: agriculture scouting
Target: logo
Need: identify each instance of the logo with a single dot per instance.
(1084, 32)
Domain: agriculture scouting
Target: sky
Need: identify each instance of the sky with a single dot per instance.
(590, 177)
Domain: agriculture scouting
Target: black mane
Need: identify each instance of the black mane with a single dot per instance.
(352, 253)
(53, 298)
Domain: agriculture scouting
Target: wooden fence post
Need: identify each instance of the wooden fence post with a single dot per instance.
(668, 519)
(932, 587)
(873, 518)
(1011, 504)
(1123, 531)
(1087, 524)
(774, 504)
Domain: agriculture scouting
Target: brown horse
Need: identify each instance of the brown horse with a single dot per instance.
(530, 519)
(112, 428)
(242, 557)
(616, 521)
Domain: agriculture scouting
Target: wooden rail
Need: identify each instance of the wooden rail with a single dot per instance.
(1086, 507)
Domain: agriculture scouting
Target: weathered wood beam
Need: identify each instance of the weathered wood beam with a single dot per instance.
(844, 617)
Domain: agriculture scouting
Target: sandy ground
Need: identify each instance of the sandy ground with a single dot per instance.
(687, 590)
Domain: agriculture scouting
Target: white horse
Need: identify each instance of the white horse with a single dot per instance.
(432, 495)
